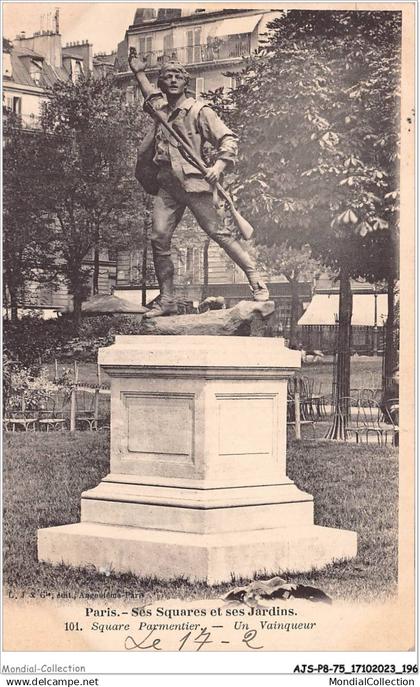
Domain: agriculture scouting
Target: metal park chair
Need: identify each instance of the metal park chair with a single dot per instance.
(313, 401)
(50, 416)
(20, 421)
(378, 422)
(86, 417)
(349, 415)
(366, 394)
(318, 402)
(391, 414)
(103, 410)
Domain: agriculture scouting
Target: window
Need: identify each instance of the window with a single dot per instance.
(145, 47)
(35, 69)
(77, 70)
(17, 105)
(199, 86)
(193, 45)
(190, 254)
(168, 47)
(14, 104)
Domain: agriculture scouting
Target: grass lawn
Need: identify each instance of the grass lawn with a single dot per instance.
(365, 372)
(355, 487)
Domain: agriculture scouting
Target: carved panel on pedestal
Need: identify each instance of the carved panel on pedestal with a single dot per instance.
(160, 426)
(247, 424)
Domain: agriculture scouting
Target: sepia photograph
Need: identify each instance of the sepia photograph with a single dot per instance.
(208, 330)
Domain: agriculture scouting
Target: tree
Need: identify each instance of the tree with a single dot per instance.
(87, 157)
(297, 265)
(28, 252)
(317, 113)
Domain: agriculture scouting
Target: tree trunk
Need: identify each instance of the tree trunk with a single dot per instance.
(13, 303)
(205, 291)
(95, 280)
(77, 310)
(294, 313)
(144, 275)
(390, 369)
(391, 341)
(342, 386)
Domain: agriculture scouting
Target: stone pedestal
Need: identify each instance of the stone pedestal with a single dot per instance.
(198, 485)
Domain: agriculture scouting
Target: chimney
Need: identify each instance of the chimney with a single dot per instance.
(84, 50)
(57, 20)
(46, 44)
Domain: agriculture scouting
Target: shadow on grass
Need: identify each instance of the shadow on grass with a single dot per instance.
(354, 487)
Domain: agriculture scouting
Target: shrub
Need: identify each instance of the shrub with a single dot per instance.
(98, 332)
(33, 341)
(34, 390)
(9, 369)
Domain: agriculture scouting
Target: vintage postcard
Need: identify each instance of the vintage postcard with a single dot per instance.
(208, 337)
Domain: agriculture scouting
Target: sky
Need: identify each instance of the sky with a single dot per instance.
(103, 23)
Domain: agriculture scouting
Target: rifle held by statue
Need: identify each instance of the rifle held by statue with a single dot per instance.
(243, 225)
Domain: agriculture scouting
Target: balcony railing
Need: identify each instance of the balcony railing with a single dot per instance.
(197, 54)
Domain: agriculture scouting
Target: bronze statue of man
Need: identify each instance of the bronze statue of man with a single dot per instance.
(178, 184)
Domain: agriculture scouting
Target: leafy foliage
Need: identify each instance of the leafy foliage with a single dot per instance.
(297, 265)
(95, 333)
(31, 341)
(33, 389)
(319, 157)
(28, 249)
(317, 113)
(86, 183)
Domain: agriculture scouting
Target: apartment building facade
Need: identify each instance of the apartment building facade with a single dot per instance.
(208, 43)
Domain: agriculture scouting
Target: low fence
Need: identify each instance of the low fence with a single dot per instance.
(88, 408)
(364, 340)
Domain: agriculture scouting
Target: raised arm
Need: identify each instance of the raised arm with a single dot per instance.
(137, 66)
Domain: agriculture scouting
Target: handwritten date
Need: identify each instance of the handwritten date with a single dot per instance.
(188, 641)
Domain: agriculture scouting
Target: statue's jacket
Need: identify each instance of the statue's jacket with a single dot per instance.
(199, 124)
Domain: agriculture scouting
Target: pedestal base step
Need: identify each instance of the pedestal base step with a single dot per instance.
(210, 557)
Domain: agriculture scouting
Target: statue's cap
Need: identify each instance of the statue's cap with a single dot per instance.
(173, 65)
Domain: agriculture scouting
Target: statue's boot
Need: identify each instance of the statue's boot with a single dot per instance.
(260, 290)
(166, 304)
(161, 308)
(235, 251)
